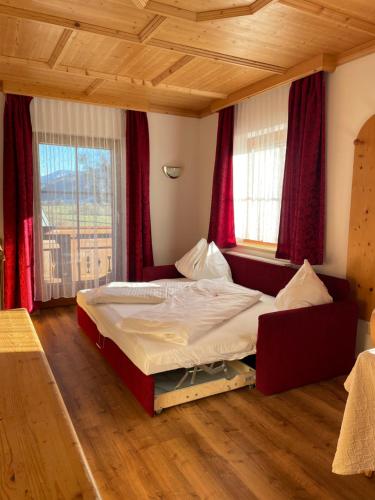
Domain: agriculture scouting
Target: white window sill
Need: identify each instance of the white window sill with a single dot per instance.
(263, 254)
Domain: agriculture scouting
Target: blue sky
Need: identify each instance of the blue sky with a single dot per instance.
(53, 158)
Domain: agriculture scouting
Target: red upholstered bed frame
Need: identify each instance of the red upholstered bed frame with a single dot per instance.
(294, 348)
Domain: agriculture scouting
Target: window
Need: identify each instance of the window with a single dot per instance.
(78, 203)
(260, 134)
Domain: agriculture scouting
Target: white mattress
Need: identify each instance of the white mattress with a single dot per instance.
(231, 340)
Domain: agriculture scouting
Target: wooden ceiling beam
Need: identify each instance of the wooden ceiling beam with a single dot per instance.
(167, 10)
(94, 85)
(151, 28)
(61, 47)
(141, 4)
(134, 38)
(244, 10)
(28, 66)
(260, 4)
(322, 62)
(172, 69)
(215, 56)
(362, 50)
(218, 14)
(336, 16)
(20, 88)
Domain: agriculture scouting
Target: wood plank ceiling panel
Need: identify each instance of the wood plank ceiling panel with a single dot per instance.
(45, 77)
(20, 38)
(118, 57)
(361, 8)
(277, 35)
(60, 85)
(154, 95)
(214, 76)
(118, 14)
(114, 49)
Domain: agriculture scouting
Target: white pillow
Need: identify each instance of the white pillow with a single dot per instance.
(303, 290)
(186, 265)
(204, 261)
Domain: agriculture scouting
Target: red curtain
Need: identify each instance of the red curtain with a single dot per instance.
(139, 242)
(301, 233)
(221, 229)
(18, 204)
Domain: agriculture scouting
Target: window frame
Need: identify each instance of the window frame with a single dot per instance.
(253, 141)
(78, 141)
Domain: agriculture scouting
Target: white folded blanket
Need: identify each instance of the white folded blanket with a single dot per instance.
(191, 311)
(131, 293)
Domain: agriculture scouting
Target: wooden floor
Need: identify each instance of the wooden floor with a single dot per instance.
(239, 445)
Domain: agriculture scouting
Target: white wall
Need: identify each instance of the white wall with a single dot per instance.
(174, 140)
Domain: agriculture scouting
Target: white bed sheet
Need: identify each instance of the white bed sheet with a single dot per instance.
(231, 340)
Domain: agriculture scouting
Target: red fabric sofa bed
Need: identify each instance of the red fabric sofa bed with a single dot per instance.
(294, 347)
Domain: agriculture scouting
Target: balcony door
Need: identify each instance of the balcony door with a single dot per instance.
(79, 197)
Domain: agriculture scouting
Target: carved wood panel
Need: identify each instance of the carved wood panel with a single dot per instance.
(361, 248)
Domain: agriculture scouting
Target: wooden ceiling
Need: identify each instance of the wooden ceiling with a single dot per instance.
(186, 57)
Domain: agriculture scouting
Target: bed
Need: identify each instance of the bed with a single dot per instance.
(292, 348)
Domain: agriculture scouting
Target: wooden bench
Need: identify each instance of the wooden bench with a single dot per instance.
(40, 455)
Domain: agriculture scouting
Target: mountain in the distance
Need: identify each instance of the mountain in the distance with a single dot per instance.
(57, 174)
(95, 185)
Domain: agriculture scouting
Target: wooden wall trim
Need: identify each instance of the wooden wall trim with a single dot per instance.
(362, 50)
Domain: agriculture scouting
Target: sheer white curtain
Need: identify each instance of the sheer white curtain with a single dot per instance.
(79, 196)
(260, 132)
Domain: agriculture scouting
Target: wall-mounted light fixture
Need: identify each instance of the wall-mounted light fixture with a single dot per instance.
(171, 171)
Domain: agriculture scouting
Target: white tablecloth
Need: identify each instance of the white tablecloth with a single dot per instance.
(356, 445)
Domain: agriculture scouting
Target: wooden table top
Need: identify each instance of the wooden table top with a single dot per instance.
(40, 455)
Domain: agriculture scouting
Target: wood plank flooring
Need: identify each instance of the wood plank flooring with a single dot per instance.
(239, 445)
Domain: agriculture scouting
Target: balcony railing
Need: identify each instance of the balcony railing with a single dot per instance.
(72, 255)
